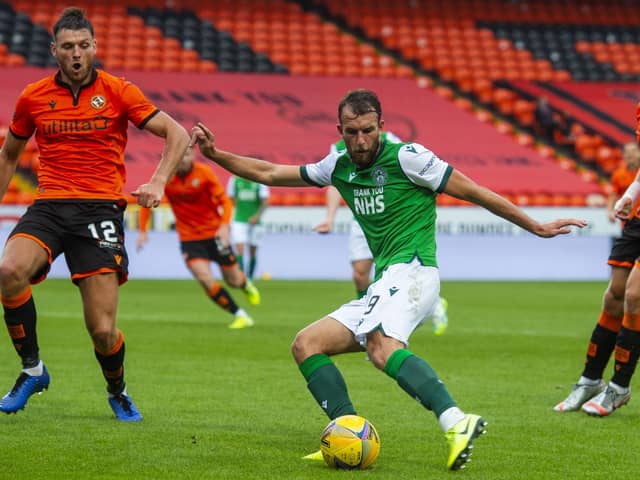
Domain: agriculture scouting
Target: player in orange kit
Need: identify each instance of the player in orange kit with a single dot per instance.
(80, 117)
(617, 327)
(622, 176)
(203, 213)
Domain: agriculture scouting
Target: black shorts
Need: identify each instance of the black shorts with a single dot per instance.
(626, 248)
(209, 249)
(89, 233)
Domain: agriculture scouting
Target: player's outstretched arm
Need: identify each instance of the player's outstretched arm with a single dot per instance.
(254, 169)
(333, 202)
(462, 187)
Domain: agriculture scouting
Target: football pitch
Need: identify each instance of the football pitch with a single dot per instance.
(231, 404)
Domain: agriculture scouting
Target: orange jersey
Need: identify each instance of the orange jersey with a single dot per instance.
(621, 178)
(81, 140)
(199, 203)
(638, 123)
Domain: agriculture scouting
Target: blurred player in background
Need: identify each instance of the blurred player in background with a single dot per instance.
(203, 212)
(622, 176)
(391, 190)
(250, 200)
(360, 255)
(80, 117)
(618, 326)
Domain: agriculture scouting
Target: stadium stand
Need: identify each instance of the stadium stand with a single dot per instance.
(486, 60)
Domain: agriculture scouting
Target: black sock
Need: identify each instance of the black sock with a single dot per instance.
(20, 318)
(223, 298)
(626, 356)
(112, 364)
(601, 345)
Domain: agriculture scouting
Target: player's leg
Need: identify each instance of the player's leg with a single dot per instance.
(625, 250)
(231, 272)
(627, 351)
(601, 344)
(239, 249)
(312, 348)
(23, 259)
(418, 379)
(603, 338)
(239, 236)
(256, 237)
(440, 319)
(200, 268)
(97, 259)
(253, 258)
(397, 304)
(100, 304)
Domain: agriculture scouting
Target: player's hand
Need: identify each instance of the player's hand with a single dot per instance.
(149, 194)
(143, 237)
(253, 220)
(224, 235)
(622, 208)
(202, 136)
(611, 215)
(558, 227)
(324, 227)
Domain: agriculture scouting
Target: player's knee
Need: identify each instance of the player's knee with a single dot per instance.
(11, 275)
(632, 299)
(302, 346)
(103, 339)
(614, 295)
(297, 347)
(234, 277)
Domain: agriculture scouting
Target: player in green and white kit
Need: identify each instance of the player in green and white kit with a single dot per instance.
(360, 254)
(391, 190)
(250, 201)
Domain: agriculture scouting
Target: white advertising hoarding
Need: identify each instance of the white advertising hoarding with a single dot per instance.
(473, 244)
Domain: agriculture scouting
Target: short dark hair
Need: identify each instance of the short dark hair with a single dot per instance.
(361, 101)
(72, 18)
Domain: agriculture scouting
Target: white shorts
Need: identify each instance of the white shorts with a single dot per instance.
(404, 297)
(358, 246)
(247, 234)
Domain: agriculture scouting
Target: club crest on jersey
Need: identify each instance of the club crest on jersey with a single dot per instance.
(98, 102)
(379, 176)
(195, 182)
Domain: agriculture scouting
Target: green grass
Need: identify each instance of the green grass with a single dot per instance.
(224, 404)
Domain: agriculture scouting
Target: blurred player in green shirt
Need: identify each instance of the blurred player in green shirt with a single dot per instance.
(250, 200)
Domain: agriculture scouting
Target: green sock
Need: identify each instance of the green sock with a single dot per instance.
(240, 260)
(252, 266)
(361, 293)
(327, 386)
(418, 379)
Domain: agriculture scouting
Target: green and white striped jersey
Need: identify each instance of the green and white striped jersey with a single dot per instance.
(393, 200)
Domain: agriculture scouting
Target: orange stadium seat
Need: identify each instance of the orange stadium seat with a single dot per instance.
(462, 46)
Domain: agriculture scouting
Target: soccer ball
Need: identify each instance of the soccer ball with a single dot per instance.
(350, 442)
